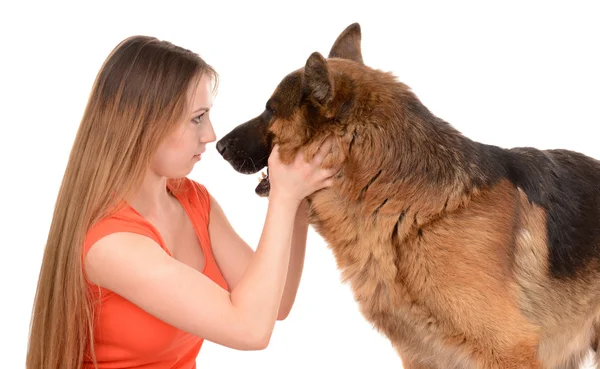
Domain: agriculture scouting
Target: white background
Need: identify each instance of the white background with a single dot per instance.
(516, 74)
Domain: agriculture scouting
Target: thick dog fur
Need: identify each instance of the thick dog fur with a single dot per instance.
(465, 255)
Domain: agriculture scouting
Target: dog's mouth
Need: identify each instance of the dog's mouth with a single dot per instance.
(264, 186)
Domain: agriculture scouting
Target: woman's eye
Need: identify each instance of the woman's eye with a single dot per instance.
(198, 119)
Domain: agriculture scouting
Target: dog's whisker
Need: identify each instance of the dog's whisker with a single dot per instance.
(253, 163)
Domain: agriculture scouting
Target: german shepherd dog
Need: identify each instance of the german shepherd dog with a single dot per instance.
(463, 254)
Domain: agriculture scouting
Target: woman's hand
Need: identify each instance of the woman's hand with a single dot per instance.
(299, 178)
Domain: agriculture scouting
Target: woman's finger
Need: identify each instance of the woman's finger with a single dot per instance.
(323, 151)
(274, 152)
(328, 182)
(330, 172)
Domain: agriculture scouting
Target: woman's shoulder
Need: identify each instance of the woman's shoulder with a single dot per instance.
(124, 219)
(194, 192)
(190, 187)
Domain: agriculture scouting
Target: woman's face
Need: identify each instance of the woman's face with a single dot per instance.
(176, 156)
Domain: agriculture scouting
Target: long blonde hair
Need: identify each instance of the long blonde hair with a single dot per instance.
(138, 98)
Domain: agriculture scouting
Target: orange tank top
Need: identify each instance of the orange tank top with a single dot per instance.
(126, 336)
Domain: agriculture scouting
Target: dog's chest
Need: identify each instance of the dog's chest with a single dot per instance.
(385, 300)
(382, 286)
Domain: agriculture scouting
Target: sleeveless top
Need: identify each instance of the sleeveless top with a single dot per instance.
(125, 336)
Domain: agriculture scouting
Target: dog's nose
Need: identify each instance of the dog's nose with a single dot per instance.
(221, 147)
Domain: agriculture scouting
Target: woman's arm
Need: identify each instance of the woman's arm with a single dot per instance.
(135, 267)
(296, 266)
(233, 254)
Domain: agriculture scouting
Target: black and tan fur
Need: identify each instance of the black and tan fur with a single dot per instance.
(465, 255)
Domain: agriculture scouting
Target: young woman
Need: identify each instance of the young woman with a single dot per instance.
(141, 264)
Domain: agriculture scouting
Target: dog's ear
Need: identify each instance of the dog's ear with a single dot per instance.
(317, 79)
(347, 45)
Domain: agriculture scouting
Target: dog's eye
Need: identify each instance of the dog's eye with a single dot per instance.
(269, 111)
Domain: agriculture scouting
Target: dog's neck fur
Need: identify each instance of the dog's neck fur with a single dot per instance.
(416, 152)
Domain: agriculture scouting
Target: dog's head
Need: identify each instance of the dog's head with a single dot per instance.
(336, 97)
(305, 108)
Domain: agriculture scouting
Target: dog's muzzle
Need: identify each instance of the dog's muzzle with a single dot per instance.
(246, 157)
